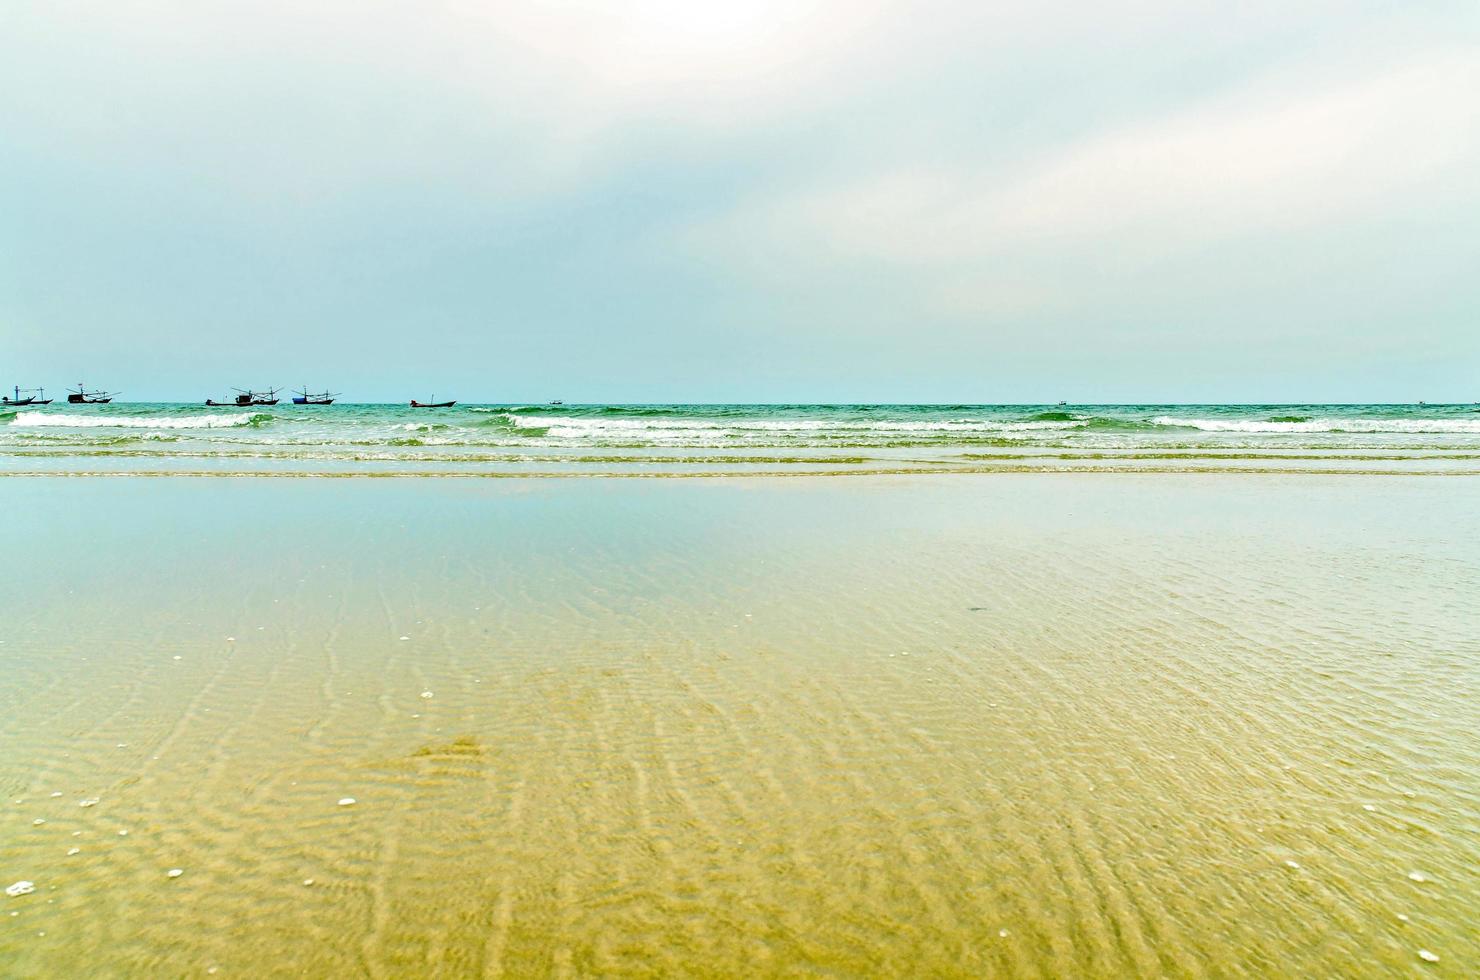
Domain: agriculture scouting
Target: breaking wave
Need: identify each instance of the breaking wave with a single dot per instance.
(38, 419)
(1292, 424)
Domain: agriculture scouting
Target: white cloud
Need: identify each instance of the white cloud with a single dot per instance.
(1270, 156)
(1101, 222)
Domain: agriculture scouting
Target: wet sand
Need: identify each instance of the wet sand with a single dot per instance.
(1018, 725)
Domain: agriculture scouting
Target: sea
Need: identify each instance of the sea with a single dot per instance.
(695, 440)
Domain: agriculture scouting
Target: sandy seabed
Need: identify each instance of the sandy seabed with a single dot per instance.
(1018, 725)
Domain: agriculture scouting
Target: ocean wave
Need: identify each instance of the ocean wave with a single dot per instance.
(1322, 425)
(571, 425)
(37, 419)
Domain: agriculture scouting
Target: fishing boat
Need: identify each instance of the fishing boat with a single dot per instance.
(84, 397)
(322, 398)
(557, 402)
(247, 399)
(33, 396)
(417, 404)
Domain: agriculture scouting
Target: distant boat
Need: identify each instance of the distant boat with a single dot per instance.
(84, 397)
(417, 404)
(35, 396)
(323, 398)
(268, 397)
(246, 399)
(557, 402)
(1062, 404)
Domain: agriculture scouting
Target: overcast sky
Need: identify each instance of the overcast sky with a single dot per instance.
(698, 201)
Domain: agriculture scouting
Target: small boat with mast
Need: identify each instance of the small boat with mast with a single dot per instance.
(247, 399)
(322, 398)
(432, 404)
(33, 396)
(84, 397)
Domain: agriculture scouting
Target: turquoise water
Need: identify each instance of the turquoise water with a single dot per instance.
(348, 439)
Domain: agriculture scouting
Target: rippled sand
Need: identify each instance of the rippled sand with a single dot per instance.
(1021, 726)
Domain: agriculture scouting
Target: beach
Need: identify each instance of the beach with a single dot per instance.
(739, 490)
(1007, 724)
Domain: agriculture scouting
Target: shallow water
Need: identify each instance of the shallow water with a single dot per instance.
(668, 440)
(1049, 725)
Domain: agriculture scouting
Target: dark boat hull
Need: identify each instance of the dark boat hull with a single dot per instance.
(13, 403)
(313, 401)
(74, 400)
(416, 404)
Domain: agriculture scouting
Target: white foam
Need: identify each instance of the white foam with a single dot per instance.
(1324, 425)
(573, 428)
(38, 419)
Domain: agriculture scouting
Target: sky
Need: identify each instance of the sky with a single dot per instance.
(859, 201)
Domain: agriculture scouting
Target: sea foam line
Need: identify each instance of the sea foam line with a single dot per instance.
(569, 426)
(133, 421)
(1324, 425)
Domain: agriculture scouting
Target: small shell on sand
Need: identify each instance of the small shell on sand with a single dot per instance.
(75, 850)
(426, 694)
(37, 822)
(90, 801)
(1428, 957)
(56, 794)
(347, 801)
(1417, 876)
(1291, 864)
(175, 872)
(20, 888)
(123, 833)
(308, 881)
